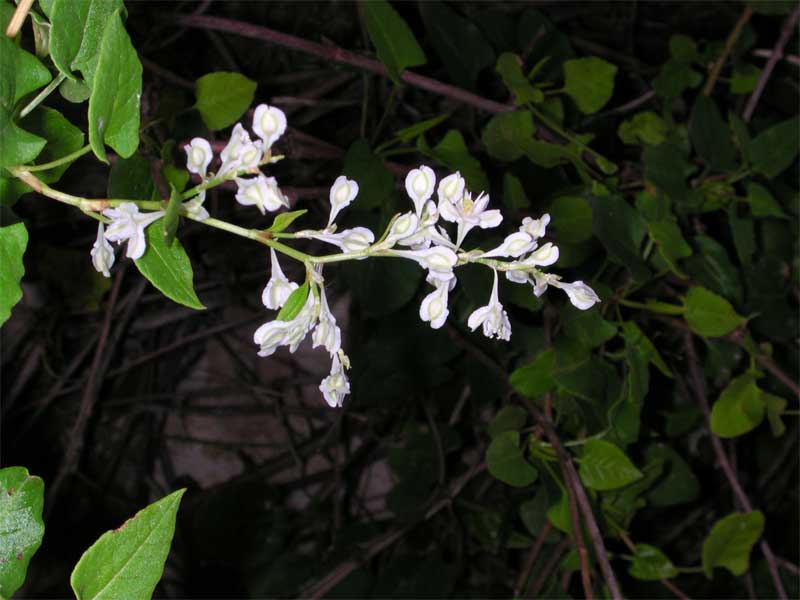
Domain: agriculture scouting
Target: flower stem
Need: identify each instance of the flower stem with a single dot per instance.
(42, 95)
(60, 161)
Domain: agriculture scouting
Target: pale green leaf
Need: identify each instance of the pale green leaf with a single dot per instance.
(223, 97)
(603, 466)
(730, 541)
(283, 220)
(506, 462)
(762, 203)
(739, 408)
(168, 268)
(18, 146)
(63, 138)
(21, 525)
(116, 93)
(509, 418)
(650, 564)
(776, 148)
(510, 68)
(128, 562)
(589, 82)
(294, 303)
(572, 217)
(507, 136)
(710, 315)
(13, 240)
(392, 37)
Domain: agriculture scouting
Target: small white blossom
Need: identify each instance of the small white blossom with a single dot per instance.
(198, 156)
(262, 192)
(451, 188)
(127, 223)
(240, 152)
(419, 186)
(543, 257)
(514, 245)
(535, 227)
(326, 333)
(195, 209)
(269, 123)
(492, 316)
(286, 333)
(437, 259)
(343, 192)
(580, 294)
(102, 252)
(349, 240)
(278, 287)
(402, 227)
(468, 214)
(434, 306)
(336, 385)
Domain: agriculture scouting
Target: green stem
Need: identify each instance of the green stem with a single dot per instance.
(60, 161)
(42, 95)
(565, 134)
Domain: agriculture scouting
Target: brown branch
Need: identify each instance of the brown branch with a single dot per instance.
(530, 560)
(18, 18)
(699, 385)
(547, 569)
(777, 53)
(770, 366)
(729, 43)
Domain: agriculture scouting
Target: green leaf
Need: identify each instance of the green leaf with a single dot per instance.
(739, 408)
(587, 327)
(773, 150)
(13, 240)
(21, 525)
(604, 467)
(116, 92)
(589, 82)
(710, 315)
(31, 74)
(62, 137)
(634, 336)
(514, 196)
(128, 562)
(74, 91)
(452, 152)
(283, 220)
(77, 33)
(168, 268)
(730, 542)
(508, 135)
(762, 204)
(740, 135)
(621, 230)
(169, 223)
(510, 418)
(559, 514)
(382, 287)
(536, 378)
(294, 303)
(457, 41)
(665, 166)
(710, 135)
(509, 66)
(223, 97)
(744, 79)
(130, 179)
(775, 407)
(675, 77)
(18, 146)
(390, 34)
(678, 485)
(375, 182)
(711, 267)
(650, 564)
(671, 245)
(506, 462)
(744, 237)
(572, 216)
(9, 63)
(645, 128)
(413, 131)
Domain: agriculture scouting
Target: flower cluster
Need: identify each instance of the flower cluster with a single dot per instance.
(127, 224)
(417, 235)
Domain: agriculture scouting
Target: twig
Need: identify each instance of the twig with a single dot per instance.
(729, 43)
(76, 438)
(777, 53)
(18, 18)
(770, 366)
(766, 53)
(699, 385)
(525, 573)
(547, 569)
(789, 566)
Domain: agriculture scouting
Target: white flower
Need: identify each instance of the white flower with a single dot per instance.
(278, 287)
(335, 386)
(269, 123)
(580, 294)
(468, 214)
(451, 188)
(102, 252)
(419, 186)
(343, 192)
(437, 259)
(261, 191)
(326, 333)
(195, 209)
(240, 153)
(542, 257)
(514, 245)
(286, 333)
(492, 316)
(349, 240)
(127, 223)
(434, 305)
(535, 227)
(402, 227)
(198, 156)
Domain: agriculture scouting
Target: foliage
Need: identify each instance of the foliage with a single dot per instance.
(615, 450)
